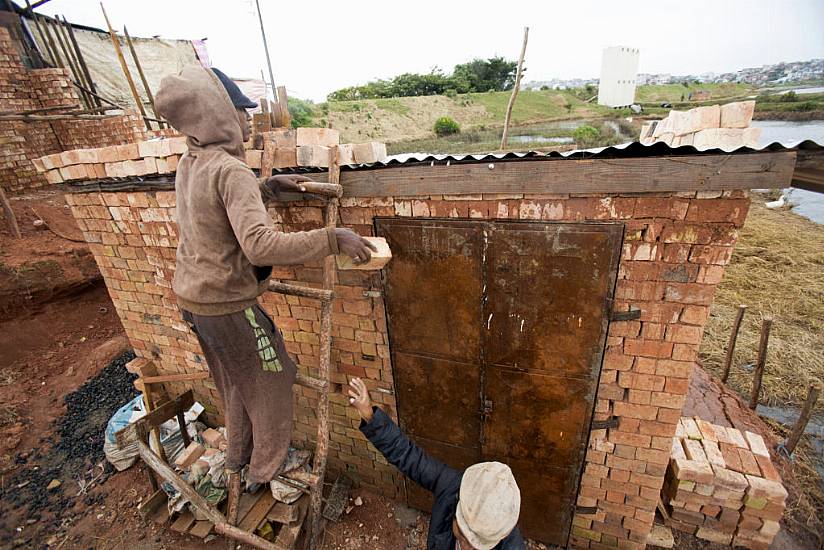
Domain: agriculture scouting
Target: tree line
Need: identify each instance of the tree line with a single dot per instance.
(478, 75)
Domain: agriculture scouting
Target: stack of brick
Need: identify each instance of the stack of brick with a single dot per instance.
(309, 147)
(724, 127)
(721, 485)
(156, 156)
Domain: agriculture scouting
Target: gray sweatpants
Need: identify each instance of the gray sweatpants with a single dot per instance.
(254, 375)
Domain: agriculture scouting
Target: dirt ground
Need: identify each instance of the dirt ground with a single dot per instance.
(55, 341)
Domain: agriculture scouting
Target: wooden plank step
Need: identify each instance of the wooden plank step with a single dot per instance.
(284, 513)
(202, 529)
(290, 533)
(161, 514)
(183, 522)
(150, 505)
(259, 511)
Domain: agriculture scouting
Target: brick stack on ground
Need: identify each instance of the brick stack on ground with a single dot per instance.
(725, 127)
(721, 485)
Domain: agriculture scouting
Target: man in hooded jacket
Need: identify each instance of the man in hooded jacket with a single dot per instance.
(227, 244)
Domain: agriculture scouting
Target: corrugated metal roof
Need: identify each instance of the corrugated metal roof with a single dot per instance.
(631, 149)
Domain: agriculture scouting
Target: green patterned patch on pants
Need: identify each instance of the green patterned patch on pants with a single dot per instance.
(265, 350)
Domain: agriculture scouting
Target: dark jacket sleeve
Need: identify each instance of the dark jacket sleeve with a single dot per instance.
(411, 460)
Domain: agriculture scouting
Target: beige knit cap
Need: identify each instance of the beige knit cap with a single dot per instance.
(489, 504)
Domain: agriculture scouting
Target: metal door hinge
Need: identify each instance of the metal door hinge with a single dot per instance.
(611, 422)
(629, 315)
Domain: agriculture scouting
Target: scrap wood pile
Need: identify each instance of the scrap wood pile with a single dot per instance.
(724, 127)
(285, 148)
(721, 485)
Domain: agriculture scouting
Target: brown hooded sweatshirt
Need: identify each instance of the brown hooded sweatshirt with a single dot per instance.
(227, 238)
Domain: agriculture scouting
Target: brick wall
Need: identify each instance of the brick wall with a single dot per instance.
(21, 142)
(674, 254)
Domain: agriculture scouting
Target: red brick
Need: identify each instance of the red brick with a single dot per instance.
(709, 254)
(676, 253)
(660, 207)
(648, 348)
(719, 210)
(631, 439)
(643, 412)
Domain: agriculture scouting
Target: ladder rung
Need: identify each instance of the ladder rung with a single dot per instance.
(311, 382)
(303, 291)
(307, 478)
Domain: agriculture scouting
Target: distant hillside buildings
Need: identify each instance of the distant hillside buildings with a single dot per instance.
(780, 73)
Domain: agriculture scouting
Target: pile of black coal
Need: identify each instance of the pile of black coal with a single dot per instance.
(72, 456)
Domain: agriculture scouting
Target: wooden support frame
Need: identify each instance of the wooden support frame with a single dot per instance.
(601, 175)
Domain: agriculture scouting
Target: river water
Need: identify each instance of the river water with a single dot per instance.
(805, 203)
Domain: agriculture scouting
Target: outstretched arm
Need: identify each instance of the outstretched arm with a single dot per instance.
(399, 451)
(262, 244)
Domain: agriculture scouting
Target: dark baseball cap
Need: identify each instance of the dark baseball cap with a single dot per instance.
(238, 99)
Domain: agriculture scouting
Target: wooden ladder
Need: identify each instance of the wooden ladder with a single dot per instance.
(227, 524)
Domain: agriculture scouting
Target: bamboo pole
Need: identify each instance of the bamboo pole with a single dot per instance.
(82, 62)
(801, 424)
(40, 32)
(761, 362)
(518, 75)
(125, 68)
(81, 77)
(322, 446)
(69, 61)
(140, 72)
(11, 219)
(742, 309)
(52, 46)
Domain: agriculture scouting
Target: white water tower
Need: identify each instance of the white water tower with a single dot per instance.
(619, 71)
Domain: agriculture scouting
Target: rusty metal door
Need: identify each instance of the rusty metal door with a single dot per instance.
(497, 332)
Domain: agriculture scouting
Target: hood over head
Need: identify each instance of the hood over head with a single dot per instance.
(197, 105)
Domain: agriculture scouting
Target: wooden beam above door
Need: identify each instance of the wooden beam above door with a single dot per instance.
(616, 175)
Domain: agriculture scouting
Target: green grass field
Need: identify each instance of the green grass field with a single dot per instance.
(411, 119)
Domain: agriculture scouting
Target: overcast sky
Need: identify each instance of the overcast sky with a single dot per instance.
(318, 47)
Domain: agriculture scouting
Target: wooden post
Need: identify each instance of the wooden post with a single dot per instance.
(518, 75)
(283, 105)
(82, 62)
(11, 219)
(733, 339)
(761, 362)
(233, 483)
(803, 418)
(125, 68)
(329, 279)
(140, 72)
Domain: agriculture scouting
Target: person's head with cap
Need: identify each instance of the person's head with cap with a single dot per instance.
(489, 504)
(239, 100)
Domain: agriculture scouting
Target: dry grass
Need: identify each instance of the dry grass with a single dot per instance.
(777, 269)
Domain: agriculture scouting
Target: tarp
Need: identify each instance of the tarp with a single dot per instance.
(158, 58)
